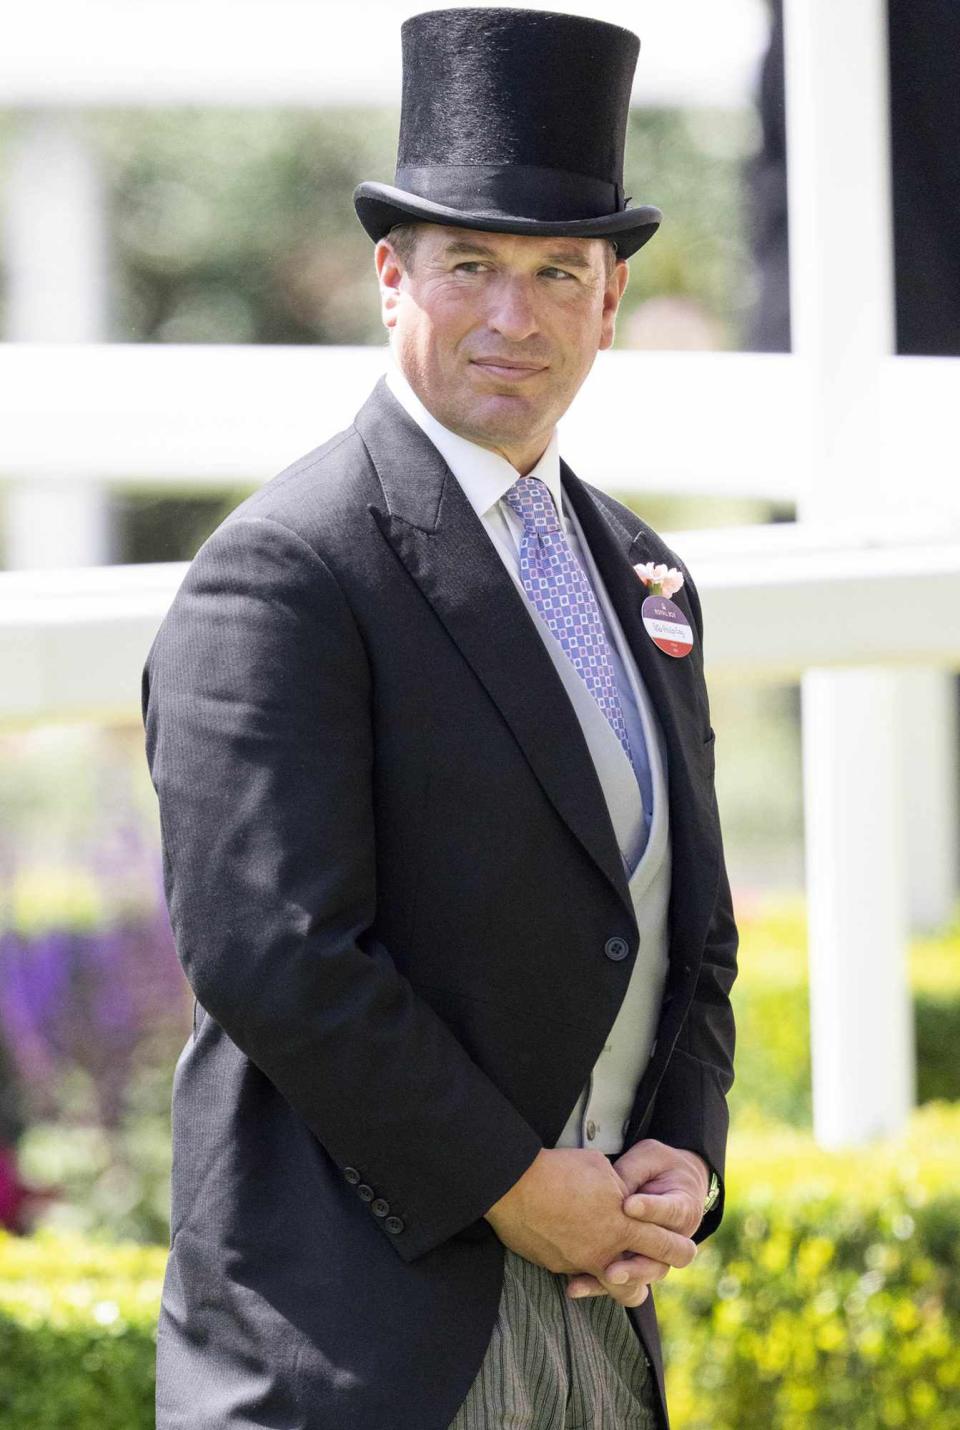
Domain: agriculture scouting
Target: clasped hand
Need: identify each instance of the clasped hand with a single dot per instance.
(611, 1227)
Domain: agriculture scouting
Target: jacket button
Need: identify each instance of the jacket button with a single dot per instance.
(365, 1193)
(616, 949)
(352, 1175)
(379, 1207)
(394, 1225)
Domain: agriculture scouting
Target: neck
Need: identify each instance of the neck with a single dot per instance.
(522, 459)
(522, 456)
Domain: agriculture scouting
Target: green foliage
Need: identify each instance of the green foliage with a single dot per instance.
(830, 1295)
(238, 226)
(935, 975)
(159, 524)
(690, 164)
(110, 1182)
(771, 1002)
(43, 897)
(87, 1045)
(77, 1333)
(938, 1039)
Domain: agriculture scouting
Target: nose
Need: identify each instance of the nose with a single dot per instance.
(512, 312)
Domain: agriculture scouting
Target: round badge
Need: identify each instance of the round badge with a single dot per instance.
(667, 626)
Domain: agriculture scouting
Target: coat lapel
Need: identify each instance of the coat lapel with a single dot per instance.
(438, 536)
(675, 687)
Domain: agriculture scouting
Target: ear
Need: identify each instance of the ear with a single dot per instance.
(389, 274)
(612, 293)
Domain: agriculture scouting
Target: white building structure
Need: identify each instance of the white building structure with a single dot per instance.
(861, 599)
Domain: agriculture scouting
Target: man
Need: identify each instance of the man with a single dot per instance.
(441, 845)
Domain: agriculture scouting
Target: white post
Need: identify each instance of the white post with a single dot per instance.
(842, 318)
(56, 259)
(863, 1068)
(930, 778)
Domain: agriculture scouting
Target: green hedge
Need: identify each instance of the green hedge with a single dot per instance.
(829, 1299)
(772, 1006)
(77, 1332)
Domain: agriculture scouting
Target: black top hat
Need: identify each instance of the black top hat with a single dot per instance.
(513, 121)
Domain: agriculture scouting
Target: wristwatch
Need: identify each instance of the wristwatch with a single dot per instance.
(710, 1200)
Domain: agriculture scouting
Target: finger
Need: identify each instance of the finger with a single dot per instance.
(645, 1159)
(584, 1285)
(633, 1268)
(660, 1243)
(674, 1210)
(633, 1294)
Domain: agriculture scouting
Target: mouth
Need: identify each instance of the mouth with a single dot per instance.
(508, 369)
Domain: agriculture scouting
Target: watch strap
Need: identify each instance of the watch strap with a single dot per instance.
(713, 1193)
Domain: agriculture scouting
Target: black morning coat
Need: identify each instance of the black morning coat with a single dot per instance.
(397, 895)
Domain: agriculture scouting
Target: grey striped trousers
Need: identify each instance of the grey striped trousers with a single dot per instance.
(557, 1364)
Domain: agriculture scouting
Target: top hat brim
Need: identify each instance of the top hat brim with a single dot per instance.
(380, 206)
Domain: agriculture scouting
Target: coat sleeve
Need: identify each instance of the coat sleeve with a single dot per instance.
(257, 709)
(690, 1109)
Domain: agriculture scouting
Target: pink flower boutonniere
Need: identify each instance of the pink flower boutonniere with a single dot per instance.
(666, 624)
(662, 580)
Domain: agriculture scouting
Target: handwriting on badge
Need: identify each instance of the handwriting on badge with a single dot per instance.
(667, 626)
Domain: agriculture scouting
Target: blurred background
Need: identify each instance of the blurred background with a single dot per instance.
(179, 249)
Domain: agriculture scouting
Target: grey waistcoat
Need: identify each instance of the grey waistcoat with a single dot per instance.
(600, 1114)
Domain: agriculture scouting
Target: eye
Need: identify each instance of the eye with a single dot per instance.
(557, 272)
(470, 265)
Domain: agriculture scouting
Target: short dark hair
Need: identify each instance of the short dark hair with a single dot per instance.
(403, 238)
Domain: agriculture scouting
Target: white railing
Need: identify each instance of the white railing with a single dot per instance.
(727, 424)
(73, 642)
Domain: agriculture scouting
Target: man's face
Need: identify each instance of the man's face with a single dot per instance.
(496, 332)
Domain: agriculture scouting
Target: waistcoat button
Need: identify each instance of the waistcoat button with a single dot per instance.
(616, 949)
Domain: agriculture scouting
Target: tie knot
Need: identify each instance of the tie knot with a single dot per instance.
(530, 498)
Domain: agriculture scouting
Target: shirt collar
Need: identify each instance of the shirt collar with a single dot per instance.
(484, 475)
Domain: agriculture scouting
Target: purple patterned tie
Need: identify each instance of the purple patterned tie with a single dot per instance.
(557, 585)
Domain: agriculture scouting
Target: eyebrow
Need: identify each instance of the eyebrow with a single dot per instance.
(460, 247)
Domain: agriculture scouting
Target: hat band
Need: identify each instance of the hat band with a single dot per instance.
(512, 191)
